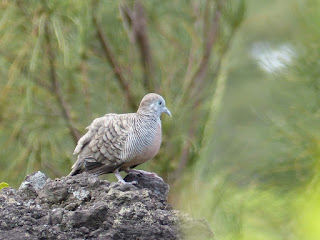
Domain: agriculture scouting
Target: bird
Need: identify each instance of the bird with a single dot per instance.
(120, 142)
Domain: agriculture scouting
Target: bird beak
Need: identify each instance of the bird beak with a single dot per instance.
(166, 110)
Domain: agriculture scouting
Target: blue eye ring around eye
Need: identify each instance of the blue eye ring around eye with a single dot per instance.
(159, 102)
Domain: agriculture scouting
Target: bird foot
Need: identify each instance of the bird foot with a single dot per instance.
(132, 182)
(144, 172)
(120, 179)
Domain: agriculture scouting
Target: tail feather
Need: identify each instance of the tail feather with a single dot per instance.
(98, 168)
(91, 165)
(77, 166)
(74, 172)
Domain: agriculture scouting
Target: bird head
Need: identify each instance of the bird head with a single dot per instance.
(154, 104)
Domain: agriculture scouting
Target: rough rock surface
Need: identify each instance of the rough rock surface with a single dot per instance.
(85, 207)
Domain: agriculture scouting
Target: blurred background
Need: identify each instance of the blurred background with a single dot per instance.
(241, 78)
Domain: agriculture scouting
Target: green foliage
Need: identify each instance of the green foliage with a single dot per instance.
(64, 63)
(242, 148)
(3, 185)
(258, 175)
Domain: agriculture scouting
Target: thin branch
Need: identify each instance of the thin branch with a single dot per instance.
(197, 81)
(139, 25)
(206, 20)
(196, 85)
(196, 88)
(192, 130)
(135, 23)
(57, 89)
(85, 84)
(215, 74)
(127, 17)
(184, 155)
(114, 64)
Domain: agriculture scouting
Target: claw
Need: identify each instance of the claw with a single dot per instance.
(124, 182)
(144, 172)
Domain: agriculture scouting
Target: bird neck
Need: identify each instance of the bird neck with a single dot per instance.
(148, 116)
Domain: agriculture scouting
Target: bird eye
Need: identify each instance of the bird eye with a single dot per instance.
(160, 102)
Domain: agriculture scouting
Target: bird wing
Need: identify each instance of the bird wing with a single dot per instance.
(92, 129)
(103, 146)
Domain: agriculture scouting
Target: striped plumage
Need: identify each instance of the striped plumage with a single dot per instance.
(119, 142)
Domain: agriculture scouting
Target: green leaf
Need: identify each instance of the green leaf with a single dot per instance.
(37, 47)
(3, 185)
(61, 39)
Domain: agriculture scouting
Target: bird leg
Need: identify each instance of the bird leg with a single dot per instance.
(118, 176)
(143, 172)
(120, 179)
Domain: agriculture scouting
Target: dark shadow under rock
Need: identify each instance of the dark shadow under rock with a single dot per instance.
(85, 207)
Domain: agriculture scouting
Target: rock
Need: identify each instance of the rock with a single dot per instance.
(159, 189)
(85, 207)
(36, 181)
(32, 184)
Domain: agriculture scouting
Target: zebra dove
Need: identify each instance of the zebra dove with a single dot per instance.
(120, 142)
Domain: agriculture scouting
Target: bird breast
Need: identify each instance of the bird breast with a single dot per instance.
(149, 151)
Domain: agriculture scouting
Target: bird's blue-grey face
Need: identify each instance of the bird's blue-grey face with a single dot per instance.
(154, 103)
(159, 106)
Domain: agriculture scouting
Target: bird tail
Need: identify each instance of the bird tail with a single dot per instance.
(77, 166)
